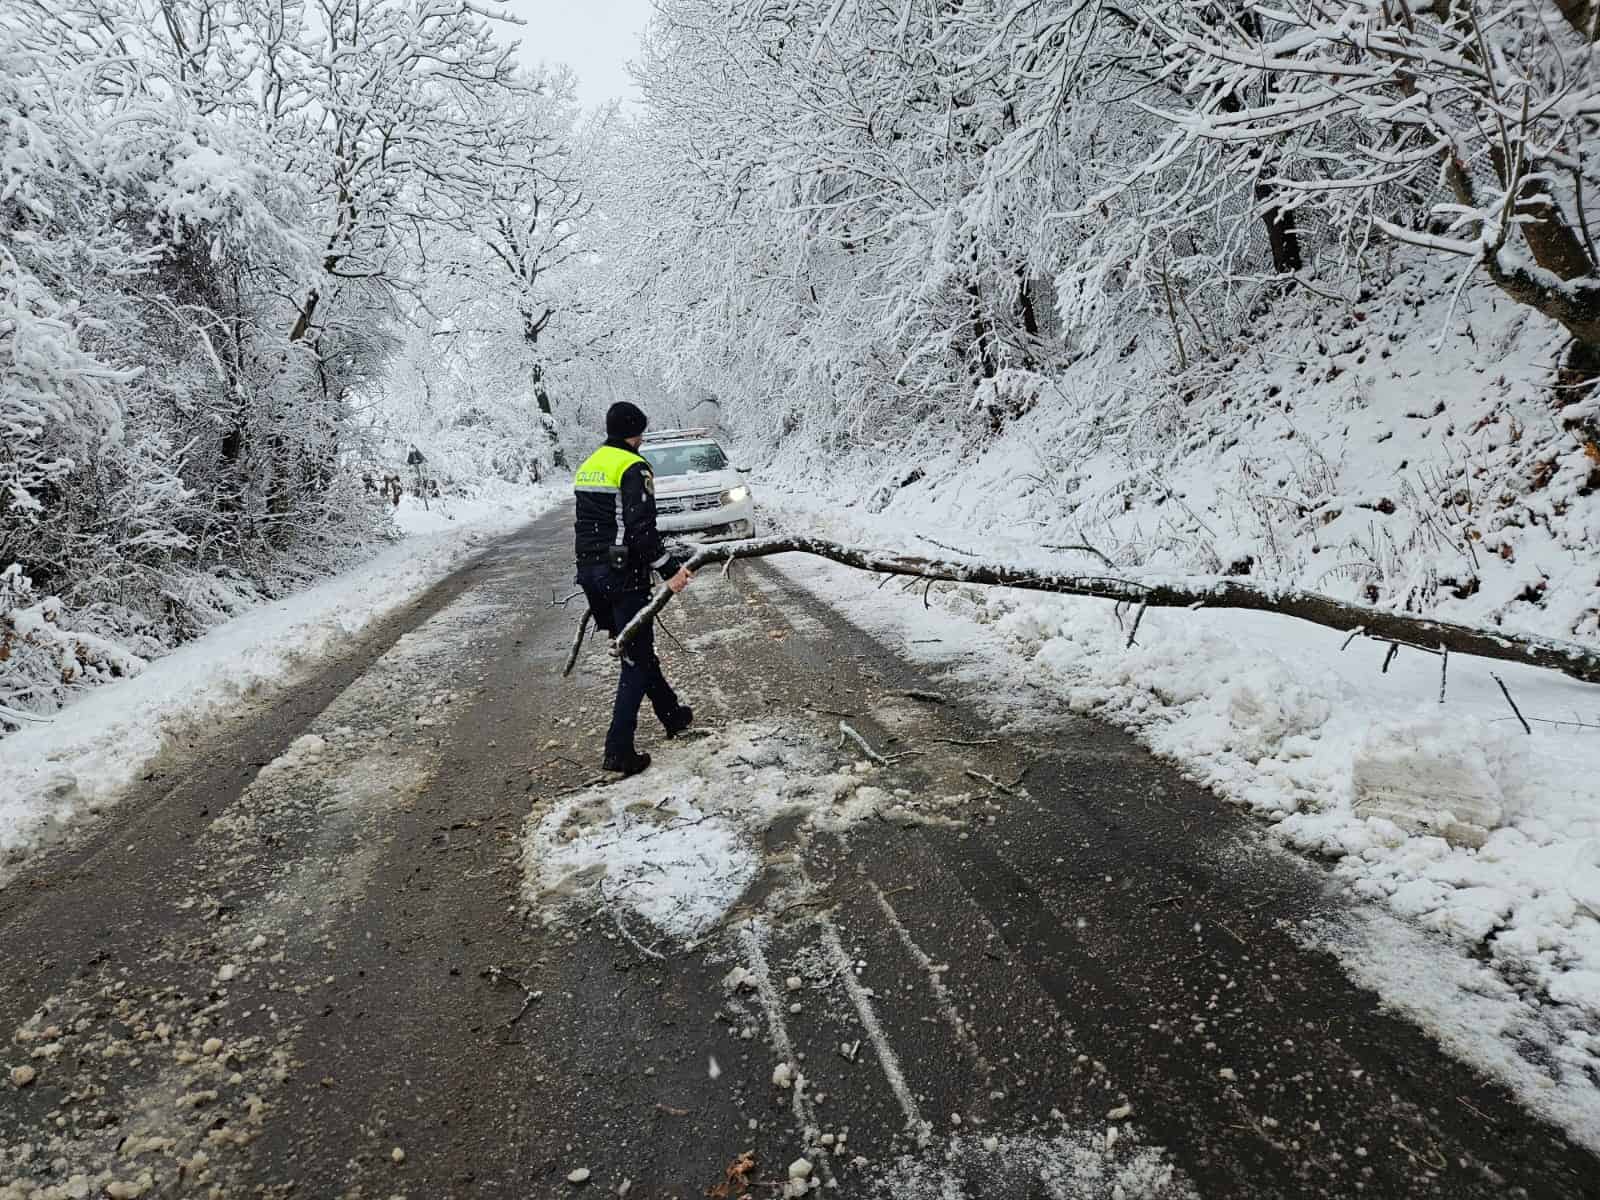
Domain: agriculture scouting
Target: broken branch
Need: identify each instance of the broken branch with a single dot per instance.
(1003, 788)
(1570, 658)
(1134, 632)
(1082, 547)
(855, 737)
(577, 644)
(1526, 728)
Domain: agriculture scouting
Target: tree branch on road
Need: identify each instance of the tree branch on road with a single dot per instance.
(1570, 658)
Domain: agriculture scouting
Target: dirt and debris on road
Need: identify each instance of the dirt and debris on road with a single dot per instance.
(389, 938)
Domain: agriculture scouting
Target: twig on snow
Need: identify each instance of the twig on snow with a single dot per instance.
(18, 717)
(1354, 634)
(668, 631)
(1009, 789)
(673, 827)
(616, 917)
(1526, 728)
(496, 973)
(1556, 723)
(592, 782)
(1082, 546)
(946, 546)
(1444, 669)
(633, 941)
(855, 737)
(830, 712)
(1134, 632)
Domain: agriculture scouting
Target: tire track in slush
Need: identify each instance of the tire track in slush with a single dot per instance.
(941, 994)
(805, 1112)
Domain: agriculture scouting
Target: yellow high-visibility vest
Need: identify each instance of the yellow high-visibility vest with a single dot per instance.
(601, 475)
(602, 471)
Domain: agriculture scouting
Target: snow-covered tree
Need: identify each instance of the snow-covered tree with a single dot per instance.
(215, 218)
(1465, 128)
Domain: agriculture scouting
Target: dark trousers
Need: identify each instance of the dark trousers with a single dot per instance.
(615, 599)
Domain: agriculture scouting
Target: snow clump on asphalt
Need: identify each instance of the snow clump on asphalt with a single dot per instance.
(1071, 1164)
(679, 844)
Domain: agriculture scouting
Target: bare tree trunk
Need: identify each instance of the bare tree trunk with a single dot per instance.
(1574, 301)
(1283, 235)
(1581, 15)
(308, 310)
(982, 340)
(1551, 239)
(541, 394)
(1570, 658)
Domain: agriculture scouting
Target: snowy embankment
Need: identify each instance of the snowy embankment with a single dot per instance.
(54, 772)
(1447, 815)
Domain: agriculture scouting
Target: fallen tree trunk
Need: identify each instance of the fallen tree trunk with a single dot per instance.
(1570, 658)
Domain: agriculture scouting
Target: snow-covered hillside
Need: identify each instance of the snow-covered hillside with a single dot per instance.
(1366, 450)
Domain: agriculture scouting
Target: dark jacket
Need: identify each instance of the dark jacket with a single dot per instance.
(617, 507)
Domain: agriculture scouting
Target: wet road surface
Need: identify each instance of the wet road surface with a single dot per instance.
(382, 937)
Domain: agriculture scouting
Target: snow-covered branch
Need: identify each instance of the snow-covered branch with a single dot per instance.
(1570, 658)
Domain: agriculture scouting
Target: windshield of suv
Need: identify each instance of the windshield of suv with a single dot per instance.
(689, 459)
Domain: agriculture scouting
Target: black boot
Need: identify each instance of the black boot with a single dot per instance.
(630, 763)
(679, 721)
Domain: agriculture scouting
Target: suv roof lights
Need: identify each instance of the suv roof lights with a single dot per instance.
(677, 435)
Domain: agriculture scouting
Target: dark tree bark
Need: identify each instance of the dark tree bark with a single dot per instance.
(541, 394)
(1570, 658)
(308, 311)
(1283, 235)
(1574, 301)
(982, 340)
(1580, 14)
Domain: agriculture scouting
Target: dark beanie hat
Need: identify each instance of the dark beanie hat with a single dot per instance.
(624, 420)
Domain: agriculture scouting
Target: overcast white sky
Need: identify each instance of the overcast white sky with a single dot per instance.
(594, 37)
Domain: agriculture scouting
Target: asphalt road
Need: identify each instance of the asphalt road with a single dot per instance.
(324, 950)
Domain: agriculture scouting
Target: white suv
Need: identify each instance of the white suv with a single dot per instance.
(697, 492)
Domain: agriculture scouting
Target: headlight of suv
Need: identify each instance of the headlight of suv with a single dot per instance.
(736, 495)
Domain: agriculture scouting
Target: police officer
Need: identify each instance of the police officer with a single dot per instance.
(617, 548)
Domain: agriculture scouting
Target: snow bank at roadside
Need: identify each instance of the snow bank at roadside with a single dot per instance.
(492, 505)
(53, 772)
(1448, 816)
